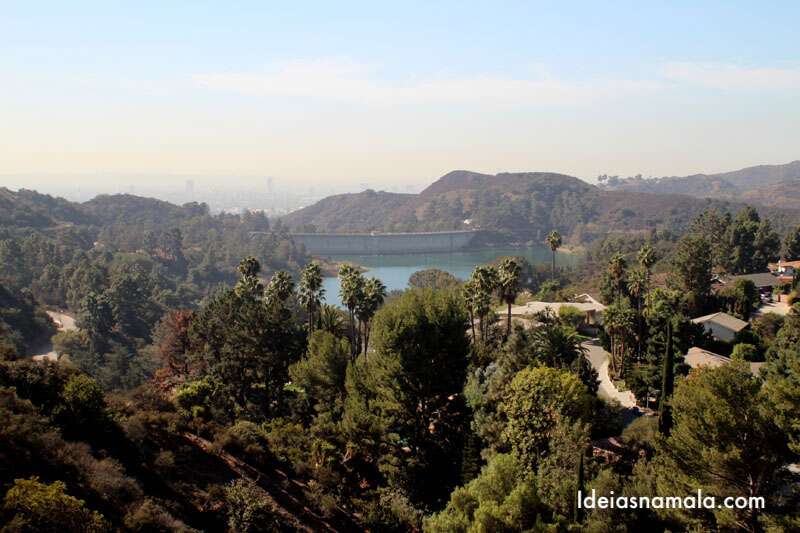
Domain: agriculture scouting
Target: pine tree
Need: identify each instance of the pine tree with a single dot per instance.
(667, 386)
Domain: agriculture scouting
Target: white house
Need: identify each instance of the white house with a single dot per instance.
(721, 326)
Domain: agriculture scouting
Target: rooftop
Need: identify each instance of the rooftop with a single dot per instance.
(698, 357)
(761, 279)
(723, 319)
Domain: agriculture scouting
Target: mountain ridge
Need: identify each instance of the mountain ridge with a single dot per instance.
(522, 206)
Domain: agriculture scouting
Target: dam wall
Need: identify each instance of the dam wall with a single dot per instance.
(383, 243)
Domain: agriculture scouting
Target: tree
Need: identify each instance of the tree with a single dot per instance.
(537, 400)
(321, 373)
(501, 498)
(553, 242)
(667, 385)
(171, 337)
(279, 289)
(402, 397)
(725, 442)
(508, 285)
(791, 244)
(96, 319)
(310, 291)
(82, 408)
(752, 242)
(742, 298)
(647, 258)
(692, 271)
(555, 478)
(638, 285)
(248, 509)
(244, 345)
(33, 507)
(714, 227)
(619, 322)
(767, 246)
(746, 352)
(556, 345)
(571, 316)
(782, 384)
(373, 296)
(477, 293)
(433, 278)
(615, 282)
(351, 292)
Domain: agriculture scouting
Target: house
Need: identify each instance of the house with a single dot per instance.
(786, 268)
(765, 282)
(698, 357)
(583, 302)
(721, 326)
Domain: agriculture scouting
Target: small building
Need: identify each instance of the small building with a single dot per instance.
(698, 358)
(721, 326)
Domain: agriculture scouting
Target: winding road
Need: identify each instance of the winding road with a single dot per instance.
(599, 359)
(64, 322)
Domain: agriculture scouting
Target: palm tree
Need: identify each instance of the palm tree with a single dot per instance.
(310, 292)
(647, 258)
(637, 284)
(557, 346)
(618, 319)
(351, 291)
(616, 272)
(484, 280)
(373, 296)
(554, 242)
(279, 289)
(330, 319)
(469, 293)
(508, 285)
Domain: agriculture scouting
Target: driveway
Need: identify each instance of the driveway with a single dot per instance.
(599, 359)
(779, 308)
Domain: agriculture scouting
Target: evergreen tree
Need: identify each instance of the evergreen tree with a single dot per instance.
(791, 244)
(667, 384)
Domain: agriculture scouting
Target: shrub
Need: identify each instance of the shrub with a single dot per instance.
(31, 506)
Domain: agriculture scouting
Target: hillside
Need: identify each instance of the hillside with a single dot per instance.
(521, 207)
(763, 184)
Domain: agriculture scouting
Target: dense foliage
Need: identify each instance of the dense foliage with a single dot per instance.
(203, 392)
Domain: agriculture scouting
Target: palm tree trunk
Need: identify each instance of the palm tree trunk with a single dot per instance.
(554, 266)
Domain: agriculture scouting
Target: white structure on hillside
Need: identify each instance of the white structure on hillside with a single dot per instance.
(721, 326)
(583, 302)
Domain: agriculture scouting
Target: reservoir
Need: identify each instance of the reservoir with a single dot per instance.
(394, 270)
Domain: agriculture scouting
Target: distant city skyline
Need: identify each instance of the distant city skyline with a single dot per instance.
(334, 96)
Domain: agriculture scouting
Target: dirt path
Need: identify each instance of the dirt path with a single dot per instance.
(64, 322)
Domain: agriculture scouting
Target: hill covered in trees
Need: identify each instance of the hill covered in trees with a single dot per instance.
(516, 207)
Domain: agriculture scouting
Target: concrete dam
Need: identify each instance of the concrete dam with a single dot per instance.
(384, 243)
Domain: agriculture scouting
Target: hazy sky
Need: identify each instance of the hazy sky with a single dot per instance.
(346, 91)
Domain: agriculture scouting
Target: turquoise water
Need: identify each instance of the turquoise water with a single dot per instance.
(394, 270)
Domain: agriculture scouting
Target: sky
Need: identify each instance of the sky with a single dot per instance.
(401, 92)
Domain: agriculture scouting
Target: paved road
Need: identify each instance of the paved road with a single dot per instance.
(599, 359)
(64, 322)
